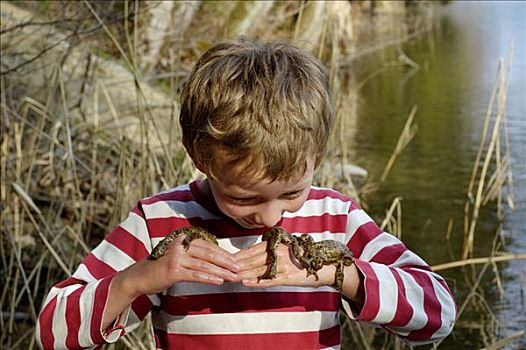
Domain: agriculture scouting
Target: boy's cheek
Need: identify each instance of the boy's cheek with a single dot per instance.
(229, 209)
(298, 205)
(235, 212)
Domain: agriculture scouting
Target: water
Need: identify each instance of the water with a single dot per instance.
(451, 89)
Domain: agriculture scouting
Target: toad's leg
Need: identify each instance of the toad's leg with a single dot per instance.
(296, 249)
(312, 265)
(191, 234)
(197, 233)
(289, 240)
(338, 279)
(273, 238)
(160, 248)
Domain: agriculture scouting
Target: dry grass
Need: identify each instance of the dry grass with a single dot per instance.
(490, 144)
(489, 155)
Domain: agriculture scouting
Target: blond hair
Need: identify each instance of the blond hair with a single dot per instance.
(262, 109)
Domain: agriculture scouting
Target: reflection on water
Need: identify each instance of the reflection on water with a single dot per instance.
(452, 88)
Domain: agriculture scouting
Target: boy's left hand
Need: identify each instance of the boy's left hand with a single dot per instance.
(253, 263)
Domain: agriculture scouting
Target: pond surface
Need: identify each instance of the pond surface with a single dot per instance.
(458, 66)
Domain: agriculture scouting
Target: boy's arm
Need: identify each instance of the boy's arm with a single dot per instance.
(115, 286)
(400, 292)
(71, 316)
(387, 285)
(202, 262)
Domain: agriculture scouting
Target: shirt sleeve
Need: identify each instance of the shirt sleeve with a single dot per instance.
(71, 316)
(402, 294)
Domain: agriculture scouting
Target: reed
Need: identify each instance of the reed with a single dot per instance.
(407, 134)
(482, 260)
(393, 222)
(491, 147)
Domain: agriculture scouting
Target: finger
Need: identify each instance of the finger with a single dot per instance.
(203, 266)
(251, 251)
(209, 252)
(258, 266)
(283, 257)
(254, 283)
(201, 277)
(282, 279)
(177, 242)
(279, 280)
(253, 262)
(253, 273)
(206, 244)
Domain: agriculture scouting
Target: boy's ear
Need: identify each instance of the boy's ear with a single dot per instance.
(200, 167)
(197, 164)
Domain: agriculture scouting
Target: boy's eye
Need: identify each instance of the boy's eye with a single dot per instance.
(292, 195)
(242, 200)
(254, 200)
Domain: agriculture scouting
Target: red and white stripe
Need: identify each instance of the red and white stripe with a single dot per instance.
(402, 294)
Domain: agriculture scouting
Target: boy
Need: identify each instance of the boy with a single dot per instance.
(256, 119)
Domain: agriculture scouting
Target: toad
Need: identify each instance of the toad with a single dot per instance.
(326, 252)
(191, 234)
(312, 255)
(275, 236)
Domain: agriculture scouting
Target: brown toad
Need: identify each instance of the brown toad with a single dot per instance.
(191, 234)
(275, 236)
(327, 252)
(314, 256)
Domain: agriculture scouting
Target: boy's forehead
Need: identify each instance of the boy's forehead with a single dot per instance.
(229, 170)
(232, 177)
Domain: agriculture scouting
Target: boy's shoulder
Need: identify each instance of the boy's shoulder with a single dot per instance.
(323, 197)
(182, 193)
(329, 194)
(179, 203)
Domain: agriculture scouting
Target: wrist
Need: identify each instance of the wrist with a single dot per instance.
(127, 283)
(353, 287)
(327, 276)
(122, 292)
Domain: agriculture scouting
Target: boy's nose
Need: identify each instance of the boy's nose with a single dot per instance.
(269, 215)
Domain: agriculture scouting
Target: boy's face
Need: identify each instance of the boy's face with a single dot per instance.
(258, 204)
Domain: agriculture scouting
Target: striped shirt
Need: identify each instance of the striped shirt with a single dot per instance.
(402, 294)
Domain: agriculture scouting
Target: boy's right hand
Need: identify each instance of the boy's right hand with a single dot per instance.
(202, 262)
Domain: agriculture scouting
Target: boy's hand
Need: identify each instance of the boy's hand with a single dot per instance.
(253, 263)
(203, 262)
